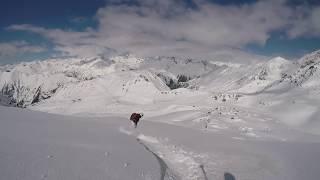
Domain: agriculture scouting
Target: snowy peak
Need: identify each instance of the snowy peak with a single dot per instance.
(127, 61)
(311, 58)
(308, 73)
(178, 66)
(127, 76)
(72, 79)
(259, 77)
(275, 68)
(278, 62)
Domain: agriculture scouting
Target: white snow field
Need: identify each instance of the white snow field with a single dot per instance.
(37, 145)
(41, 146)
(204, 119)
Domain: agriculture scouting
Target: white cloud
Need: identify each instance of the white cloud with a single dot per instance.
(169, 27)
(306, 24)
(69, 42)
(18, 47)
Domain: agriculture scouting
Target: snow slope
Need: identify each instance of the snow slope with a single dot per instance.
(203, 118)
(42, 146)
(100, 86)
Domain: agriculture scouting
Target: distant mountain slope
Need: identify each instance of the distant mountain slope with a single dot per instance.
(29, 83)
(101, 84)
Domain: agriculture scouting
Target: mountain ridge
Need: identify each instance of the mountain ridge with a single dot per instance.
(100, 85)
(172, 71)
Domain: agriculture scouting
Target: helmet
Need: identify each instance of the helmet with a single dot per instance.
(141, 114)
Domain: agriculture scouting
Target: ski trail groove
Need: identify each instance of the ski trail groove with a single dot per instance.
(203, 172)
(163, 166)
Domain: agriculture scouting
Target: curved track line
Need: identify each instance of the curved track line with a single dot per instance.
(203, 172)
(163, 166)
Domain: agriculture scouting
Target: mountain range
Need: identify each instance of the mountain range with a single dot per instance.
(289, 90)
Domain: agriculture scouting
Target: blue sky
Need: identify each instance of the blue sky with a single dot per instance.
(39, 29)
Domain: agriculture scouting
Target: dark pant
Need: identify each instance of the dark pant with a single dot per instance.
(135, 122)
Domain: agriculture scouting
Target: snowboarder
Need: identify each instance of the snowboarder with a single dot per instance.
(135, 117)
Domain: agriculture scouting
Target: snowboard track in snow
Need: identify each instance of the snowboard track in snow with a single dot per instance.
(203, 172)
(163, 166)
(176, 157)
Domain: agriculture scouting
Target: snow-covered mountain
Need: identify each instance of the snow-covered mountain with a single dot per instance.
(124, 76)
(101, 85)
(203, 118)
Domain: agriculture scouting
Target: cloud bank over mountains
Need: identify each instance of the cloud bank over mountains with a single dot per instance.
(19, 47)
(196, 28)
